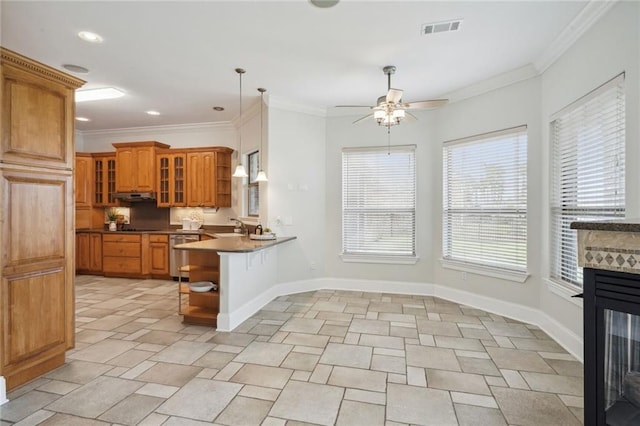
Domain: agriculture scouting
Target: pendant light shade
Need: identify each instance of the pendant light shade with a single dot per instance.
(262, 176)
(240, 171)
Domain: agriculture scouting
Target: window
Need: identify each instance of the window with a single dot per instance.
(485, 200)
(253, 189)
(587, 171)
(379, 204)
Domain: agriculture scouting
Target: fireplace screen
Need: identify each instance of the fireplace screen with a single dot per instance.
(622, 368)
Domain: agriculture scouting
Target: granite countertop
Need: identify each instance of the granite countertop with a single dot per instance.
(232, 244)
(202, 231)
(616, 225)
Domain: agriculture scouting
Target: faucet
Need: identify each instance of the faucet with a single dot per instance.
(240, 224)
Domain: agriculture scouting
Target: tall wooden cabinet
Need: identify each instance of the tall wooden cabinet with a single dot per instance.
(104, 179)
(36, 216)
(171, 178)
(135, 166)
(209, 177)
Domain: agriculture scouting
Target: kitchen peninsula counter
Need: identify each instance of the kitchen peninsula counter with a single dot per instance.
(247, 272)
(232, 244)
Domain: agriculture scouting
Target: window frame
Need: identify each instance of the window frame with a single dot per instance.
(561, 210)
(348, 208)
(252, 184)
(455, 259)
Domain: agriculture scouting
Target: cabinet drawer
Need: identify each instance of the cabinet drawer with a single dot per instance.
(121, 249)
(121, 264)
(121, 238)
(158, 238)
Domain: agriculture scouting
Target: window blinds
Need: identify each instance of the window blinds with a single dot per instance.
(588, 163)
(485, 200)
(378, 201)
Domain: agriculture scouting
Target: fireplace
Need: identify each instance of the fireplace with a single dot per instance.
(611, 348)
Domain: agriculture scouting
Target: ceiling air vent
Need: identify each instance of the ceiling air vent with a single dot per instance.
(441, 27)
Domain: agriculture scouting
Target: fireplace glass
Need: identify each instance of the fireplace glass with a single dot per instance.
(621, 368)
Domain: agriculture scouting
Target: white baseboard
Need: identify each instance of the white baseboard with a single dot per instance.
(3, 391)
(562, 335)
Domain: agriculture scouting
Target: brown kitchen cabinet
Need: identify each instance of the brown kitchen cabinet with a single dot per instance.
(135, 166)
(88, 252)
(159, 256)
(172, 178)
(83, 180)
(104, 179)
(37, 205)
(122, 255)
(195, 307)
(209, 177)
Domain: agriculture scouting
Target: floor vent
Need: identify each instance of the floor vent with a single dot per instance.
(441, 27)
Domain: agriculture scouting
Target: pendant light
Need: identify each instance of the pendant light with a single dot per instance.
(262, 176)
(240, 170)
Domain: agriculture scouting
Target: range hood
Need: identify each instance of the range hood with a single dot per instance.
(135, 196)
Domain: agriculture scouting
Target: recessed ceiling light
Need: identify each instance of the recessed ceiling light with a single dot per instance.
(153, 113)
(218, 108)
(323, 3)
(90, 37)
(82, 119)
(75, 68)
(98, 94)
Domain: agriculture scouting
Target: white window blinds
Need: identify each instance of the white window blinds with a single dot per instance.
(379, 201)
(587, 148)
(485, 200)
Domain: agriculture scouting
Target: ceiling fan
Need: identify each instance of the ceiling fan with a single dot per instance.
(390, 110)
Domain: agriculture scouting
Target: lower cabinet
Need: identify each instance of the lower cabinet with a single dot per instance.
(159, 256)
(88, 252)
(122, 255)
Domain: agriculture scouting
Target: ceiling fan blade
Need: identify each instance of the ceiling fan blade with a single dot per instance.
(363, 118)
(410, 116)
(353, 106)
(394, 96)
(433, 103)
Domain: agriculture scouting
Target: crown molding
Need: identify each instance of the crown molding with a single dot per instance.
(171, 128)
(288, 105)
(589, 15)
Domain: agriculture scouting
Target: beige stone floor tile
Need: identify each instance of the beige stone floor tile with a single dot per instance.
(474, 399)
(379, 398)
(429, 357)
(232, 339)
(158, 337)
(532, 408)
(103, 351)
(96, 397)
(261, 375)
(303, 325)
(419, 406)
(416, 377)
(244, 411)
(80, 372)
(469, 415)
(154, 419)
(399, 378)
(169, 374)
(108, 322)
(507, 329)
(321, 374)
(460, 382)
(259, 392)
(93, 336)
(308, 402)
(172, 323)
(34, 419)
(554, 383)
(329, 306)
(438, 328)
(70, 420)
(214, 359)
(353, 413)
(200, 399)
(388, 342)
(497, 381)
(182, 352)
(566, 368)
(264, 329)
(131, 410)
(58, 387)
(478, 366)
(398, 331)
(458, 343)
(347, 355)
(357, 378)
(300, 361)
(130, 358)
(157, 390)
(369, 327)
(272, 421)
(306, 339)
(25, 405)
(546, 345)
(151, 347)
(264, 353)
(387, 363)
(514, 359)
(228, 371)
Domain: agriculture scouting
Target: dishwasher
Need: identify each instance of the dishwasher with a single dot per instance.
(179, 258)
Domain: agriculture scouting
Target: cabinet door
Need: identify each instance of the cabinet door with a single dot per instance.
(110, 181)
(164, 176)
(99, 197)
(178, 181)
(83, 251)
(208, 179)
(159, 258)
(125, 169)
(223, 179)
(145, 162)
(194, 181)
(95, 264)
(83, 181)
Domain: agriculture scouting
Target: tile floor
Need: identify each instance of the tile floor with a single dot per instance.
(324, 357)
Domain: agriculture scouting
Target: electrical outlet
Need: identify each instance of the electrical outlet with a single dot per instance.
(464, 276)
